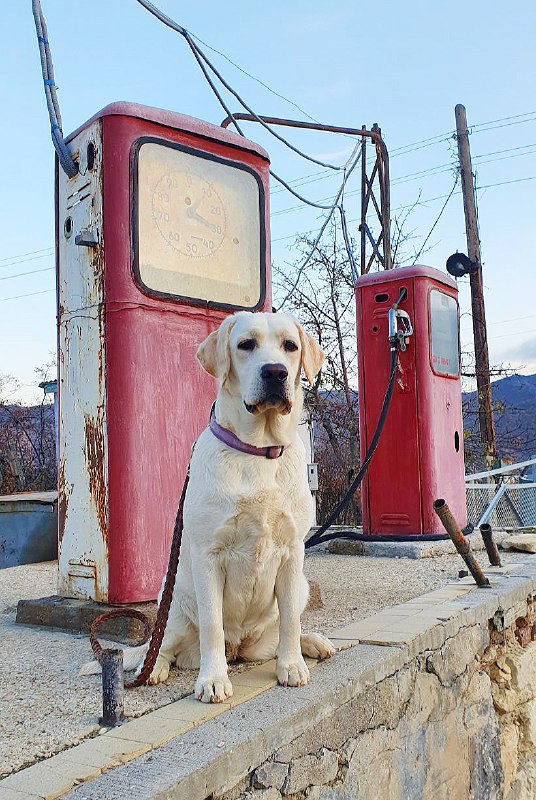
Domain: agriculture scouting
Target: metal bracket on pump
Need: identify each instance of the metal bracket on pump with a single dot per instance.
(398, 335)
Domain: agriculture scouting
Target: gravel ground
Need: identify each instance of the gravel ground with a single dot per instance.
(45, 706)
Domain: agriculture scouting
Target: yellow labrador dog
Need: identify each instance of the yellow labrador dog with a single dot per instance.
(240, 588)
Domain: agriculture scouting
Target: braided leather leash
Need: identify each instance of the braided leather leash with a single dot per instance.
(163, 608)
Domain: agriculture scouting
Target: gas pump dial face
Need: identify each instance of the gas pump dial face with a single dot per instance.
(194, 204)
(199, 226)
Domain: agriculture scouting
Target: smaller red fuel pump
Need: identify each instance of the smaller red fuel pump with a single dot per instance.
(420, 452)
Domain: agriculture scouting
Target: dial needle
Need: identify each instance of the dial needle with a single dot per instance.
(192, 214)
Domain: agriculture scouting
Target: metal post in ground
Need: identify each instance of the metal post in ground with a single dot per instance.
(490, 545)
(113, 690)
(460, 542)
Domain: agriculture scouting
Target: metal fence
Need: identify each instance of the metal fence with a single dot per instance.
(505, 497)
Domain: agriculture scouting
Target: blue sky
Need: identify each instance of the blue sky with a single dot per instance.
(328, 60)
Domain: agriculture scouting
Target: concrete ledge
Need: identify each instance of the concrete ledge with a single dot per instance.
(193, 751)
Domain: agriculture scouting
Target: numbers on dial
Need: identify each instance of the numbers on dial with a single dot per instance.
(189, 214)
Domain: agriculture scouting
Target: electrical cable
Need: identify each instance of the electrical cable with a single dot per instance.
(415, 260)
(201, 55)
(69, 166)
(430, 172)
(31, 253)
(200, 58)
(323, 227)
(239, 129)
(507, 150)
(407, 205)
(23, 274)
(30, 294)
(505, 119)
(443, 137)
(250, 110)
(505, 125)
(25, 260)
(258, 80)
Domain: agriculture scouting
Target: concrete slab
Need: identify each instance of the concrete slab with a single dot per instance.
(12, 794)
(66, 613)
(149, 729)
(412, 549)
(105, 751)
(49, 781)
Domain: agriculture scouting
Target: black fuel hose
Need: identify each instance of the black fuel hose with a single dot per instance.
(319, 535)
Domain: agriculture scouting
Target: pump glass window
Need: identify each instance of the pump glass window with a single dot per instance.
(444, 333)
(198, 226)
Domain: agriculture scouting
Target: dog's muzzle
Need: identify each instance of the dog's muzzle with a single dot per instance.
(274, 392)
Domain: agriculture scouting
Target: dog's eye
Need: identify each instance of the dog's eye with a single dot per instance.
(290, 346)
(247, 344)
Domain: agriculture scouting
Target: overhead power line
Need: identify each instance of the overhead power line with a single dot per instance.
(25, 260)
(509, 335)
(504, 119)
(203, 61)
(437, 219)
(258, 80)
(28, 294)
(303, 180)
(23, 274)
(31, 253)
(517, 119)
(431, 172)
(514, 319)
(409, 205)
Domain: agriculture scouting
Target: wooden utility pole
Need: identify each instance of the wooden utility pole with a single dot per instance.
(485, 409)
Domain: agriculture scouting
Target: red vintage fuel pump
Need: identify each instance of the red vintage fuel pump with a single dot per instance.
(420, 452)
(161, 233)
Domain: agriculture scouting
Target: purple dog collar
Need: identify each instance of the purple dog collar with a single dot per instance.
(229, 438)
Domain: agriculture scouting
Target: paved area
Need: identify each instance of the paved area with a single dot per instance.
(45, 707)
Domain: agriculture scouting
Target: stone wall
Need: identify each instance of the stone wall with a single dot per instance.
(510, 661)
(458, 722)
(437, 705)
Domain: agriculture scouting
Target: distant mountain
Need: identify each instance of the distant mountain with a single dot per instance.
(514, 401)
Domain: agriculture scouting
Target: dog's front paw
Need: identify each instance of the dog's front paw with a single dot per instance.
(160, 671)
(292, 671)
(213, 689)
(315, 645)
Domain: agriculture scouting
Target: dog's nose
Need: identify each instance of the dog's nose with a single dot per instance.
(275, 373)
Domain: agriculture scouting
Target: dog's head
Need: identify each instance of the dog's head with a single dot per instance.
(259, 357)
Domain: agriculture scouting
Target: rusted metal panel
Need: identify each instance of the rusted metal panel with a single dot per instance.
(83, 507)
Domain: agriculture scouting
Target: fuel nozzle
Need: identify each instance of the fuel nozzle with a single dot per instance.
(400, 327)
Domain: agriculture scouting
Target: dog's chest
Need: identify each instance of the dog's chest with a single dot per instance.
(261, 526)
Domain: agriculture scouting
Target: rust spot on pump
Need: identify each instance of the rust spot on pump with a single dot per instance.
(94, 455)
(101, 349)
(63, 500)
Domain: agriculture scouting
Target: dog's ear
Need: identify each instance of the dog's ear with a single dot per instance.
(312, 355)
(214, 354)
